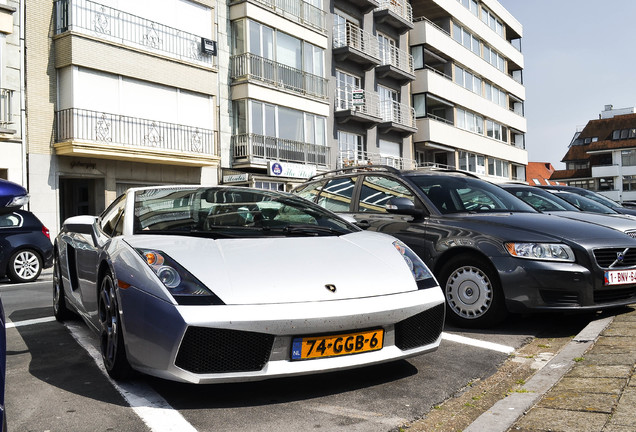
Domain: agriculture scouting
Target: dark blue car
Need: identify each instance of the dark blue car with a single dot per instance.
(12, 196)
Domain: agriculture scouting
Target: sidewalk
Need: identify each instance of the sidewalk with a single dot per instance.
(586, 387)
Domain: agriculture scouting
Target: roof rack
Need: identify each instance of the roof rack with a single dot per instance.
(356, 168)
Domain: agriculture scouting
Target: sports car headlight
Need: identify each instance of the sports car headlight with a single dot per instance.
(422, 275)
(181, 284)
(541, 251)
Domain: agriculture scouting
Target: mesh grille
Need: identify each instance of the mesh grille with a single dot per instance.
(614, 295)
(609, 257)
(208, 350)
(560, 297)
(421, 329)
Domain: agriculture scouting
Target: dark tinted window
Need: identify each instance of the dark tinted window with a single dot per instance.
(111, 221)
(377, 190)
(310, 191)
(336, 194)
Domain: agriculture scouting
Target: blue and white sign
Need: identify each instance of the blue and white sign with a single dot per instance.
(293, 170)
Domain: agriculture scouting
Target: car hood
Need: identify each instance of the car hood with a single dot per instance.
(543, 227)
(289, 269)
(619, 222)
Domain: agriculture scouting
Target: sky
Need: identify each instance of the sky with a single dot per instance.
(579, 56)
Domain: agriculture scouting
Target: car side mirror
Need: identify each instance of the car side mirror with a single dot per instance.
(80, 224)
(403, 206)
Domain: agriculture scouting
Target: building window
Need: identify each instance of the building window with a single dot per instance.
(418, 56)
(494, 58)
(495, 95)
(629, 183)
(471, 5)
(419, 104)
(628, 158)
(496, 131)
(606, 183)
(351, 148)
(466, 38)
(467, 80)
(277, 186)
(470, 121)
(345, 84)
(492, 21)
(497, 167)
(472, 162)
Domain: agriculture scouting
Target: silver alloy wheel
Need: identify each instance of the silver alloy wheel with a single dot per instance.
(57, 289)
(469, 292)
(109, 320)
(26, 265)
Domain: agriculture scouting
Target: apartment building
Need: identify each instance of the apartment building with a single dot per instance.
(602, 155)
(468, 93)
(263, 93)
(120, 93)
(12, 154)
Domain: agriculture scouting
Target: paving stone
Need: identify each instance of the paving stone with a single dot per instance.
(616, 428)
(545, 419)
(577, 401)
(591, 385)
(615, 341)
(597, 358)
(605, 371)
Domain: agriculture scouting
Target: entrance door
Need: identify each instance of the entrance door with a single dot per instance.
(79, 197)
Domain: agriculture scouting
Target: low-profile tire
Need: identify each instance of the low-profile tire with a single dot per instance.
(474, 298)
(60, 310)
(24, 266)
(111, 333)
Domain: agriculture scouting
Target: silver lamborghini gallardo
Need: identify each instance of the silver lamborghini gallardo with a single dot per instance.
(217, 284)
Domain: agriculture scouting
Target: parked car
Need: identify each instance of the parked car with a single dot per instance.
(215, 284)
(25, 246)
(12, 196)
(595, 196)
(552, 203)
(3, 367)
(491, 252)
(584, 203)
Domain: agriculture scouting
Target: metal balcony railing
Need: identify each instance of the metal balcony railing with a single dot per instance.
(6, 110)
(299, 11)
(398, 113)
(401, 8)
(85, 16)
(120, 130)
(348, 158)
(394, 56)
(254, 147)
(354, 37)
(369, 103)
(253, 67)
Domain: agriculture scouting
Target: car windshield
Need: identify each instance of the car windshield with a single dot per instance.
(541, 200)
(600, 199)
(584, 203)
(452, 194)
(231, 212)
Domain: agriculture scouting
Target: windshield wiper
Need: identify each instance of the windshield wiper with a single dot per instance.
(312, 230)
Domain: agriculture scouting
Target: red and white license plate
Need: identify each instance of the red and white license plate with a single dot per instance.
(620, 277)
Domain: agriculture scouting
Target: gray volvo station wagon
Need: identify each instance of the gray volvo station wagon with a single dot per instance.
(492, 253)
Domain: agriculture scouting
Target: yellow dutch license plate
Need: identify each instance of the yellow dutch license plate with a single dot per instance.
(337, 345)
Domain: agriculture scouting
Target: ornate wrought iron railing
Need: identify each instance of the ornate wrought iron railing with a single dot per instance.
(250, 66)
(254, 147)
(85, 16)
(120, 130)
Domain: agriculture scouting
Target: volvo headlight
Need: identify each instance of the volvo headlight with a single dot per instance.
(541, 251)
(422, 275)
(182, 285)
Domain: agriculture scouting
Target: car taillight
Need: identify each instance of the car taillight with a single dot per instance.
(45, 231)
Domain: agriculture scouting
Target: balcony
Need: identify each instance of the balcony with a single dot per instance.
(397, 117)
(365, 5)
(113, 25)
(298, 11)
(349, 158)
(364, 108)
(6, 111)
(396, 13)
(250, 150)
(396, 64)
(87, 133)
(352, 43)
(250, 67)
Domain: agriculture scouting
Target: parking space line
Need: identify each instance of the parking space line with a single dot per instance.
(151, 408)
(10, 324)
(477, 343)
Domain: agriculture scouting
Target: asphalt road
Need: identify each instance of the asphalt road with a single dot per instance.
(55, 381)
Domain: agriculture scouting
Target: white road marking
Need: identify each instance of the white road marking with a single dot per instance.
(10, 324)
(477, 343)
(154, 410)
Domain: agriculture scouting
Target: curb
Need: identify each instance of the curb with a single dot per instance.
(503, 415)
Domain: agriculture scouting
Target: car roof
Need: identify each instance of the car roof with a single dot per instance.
(364, 169)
